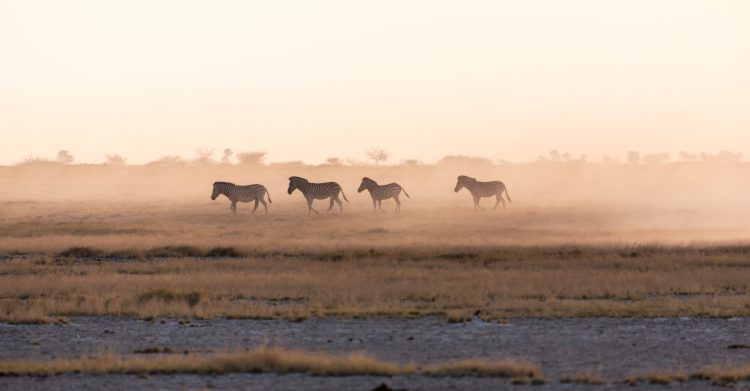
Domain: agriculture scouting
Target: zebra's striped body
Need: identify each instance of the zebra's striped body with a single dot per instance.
(483, 189)
(241, 194)
(382, 192)
(317, 191)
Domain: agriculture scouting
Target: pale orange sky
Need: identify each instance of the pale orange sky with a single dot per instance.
(307, 80)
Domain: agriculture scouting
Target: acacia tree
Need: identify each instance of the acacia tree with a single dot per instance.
(378, 155)
(251, 158)
(227, 157)
(688, 157)
(634, 157)
(203, 156)
(64, 157)
(115, 160)
(334, 161)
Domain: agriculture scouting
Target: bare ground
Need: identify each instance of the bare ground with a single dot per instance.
(612, 349)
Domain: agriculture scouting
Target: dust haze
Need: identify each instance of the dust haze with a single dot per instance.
(685, 202)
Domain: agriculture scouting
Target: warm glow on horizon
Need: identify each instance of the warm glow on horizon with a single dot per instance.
(310, 80)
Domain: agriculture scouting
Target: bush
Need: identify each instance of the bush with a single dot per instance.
(81, 252)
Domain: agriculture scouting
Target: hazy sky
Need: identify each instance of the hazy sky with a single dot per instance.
(307, 80)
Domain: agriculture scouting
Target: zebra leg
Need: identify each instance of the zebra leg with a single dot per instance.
(233, 207)
(256, 205)
(310, 208)
(398, 204)
(380, 205)
(341, 206)
(265, 206)
(497, 202)
(374, 206)
(330, 206)
(476, 203)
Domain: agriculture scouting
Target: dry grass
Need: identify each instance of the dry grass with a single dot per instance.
(493, 283)
(263, 359)
(716, 375)
(32, 315)
(150, 260)
(93, 229)
(481, 368)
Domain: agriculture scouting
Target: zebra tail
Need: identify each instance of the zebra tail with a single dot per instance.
(342, 193)
(507, 195)
(269, 197)
(404, 190)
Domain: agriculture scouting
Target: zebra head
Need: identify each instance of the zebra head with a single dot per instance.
(463, 180)
(295, 182)
(218, 190)
(366, 184)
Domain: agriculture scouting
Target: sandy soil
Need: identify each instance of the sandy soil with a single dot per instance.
(613, 348)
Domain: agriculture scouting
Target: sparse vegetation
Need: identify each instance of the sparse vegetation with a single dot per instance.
(494, 282)
(64, 157)
(165, 295)
(260, 360)
(502, 368)
(377, 155)
(716, 375)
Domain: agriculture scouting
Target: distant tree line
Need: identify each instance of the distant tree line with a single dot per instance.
(378, 156)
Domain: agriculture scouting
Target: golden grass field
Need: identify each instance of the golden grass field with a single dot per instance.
(198, 260)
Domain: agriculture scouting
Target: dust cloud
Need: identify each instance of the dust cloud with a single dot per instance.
(603, 196)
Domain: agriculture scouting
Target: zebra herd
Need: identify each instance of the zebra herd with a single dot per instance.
(320, 191)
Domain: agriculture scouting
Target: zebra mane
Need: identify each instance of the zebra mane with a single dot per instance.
(367, 179)
(223, 183)
(466, 178)
(291, 178)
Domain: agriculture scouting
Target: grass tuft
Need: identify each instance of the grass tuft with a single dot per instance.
(457, 316)
(167, 295)
(502, 368)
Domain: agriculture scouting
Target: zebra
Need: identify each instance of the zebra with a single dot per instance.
(382, 192)
(241, 194)
(483, 189)
(317, 191)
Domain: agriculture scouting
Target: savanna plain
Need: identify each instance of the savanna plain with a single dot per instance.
(595, 276)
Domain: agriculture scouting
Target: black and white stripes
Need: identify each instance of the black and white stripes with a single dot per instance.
(241, 194)
(483, 189)
(317, 191)
(382, 192)
(331, 190)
